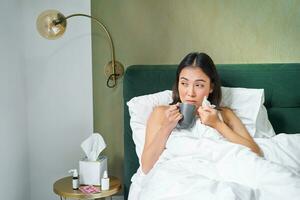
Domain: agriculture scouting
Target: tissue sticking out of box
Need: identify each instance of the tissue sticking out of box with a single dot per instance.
(93, 146)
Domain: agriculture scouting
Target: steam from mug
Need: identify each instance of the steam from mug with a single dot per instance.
(188, 112)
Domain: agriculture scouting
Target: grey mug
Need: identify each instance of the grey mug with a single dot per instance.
(188, 112)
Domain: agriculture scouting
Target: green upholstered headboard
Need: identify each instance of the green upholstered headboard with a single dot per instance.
(280, 81)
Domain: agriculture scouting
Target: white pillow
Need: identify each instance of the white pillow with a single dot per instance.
(140, 109)
(264, 127)
(246, 103)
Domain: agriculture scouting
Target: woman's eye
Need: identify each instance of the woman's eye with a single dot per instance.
(184, 84)
(199, 85)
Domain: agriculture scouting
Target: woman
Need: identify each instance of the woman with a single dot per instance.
(196, 78)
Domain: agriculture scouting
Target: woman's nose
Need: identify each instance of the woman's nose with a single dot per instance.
(191, 91)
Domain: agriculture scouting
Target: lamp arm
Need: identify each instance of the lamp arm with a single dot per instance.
(113, 75)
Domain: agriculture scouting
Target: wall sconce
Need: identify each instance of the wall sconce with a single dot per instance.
(51, 24)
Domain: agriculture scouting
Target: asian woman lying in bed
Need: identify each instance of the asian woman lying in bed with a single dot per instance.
(217, 158)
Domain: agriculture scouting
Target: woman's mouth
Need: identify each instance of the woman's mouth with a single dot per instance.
(190, 101)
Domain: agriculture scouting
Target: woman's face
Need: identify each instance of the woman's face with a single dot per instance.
(193, 85)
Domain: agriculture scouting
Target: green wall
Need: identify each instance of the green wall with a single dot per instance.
(163, 31)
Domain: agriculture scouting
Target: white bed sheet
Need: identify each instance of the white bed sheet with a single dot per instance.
(213, 168)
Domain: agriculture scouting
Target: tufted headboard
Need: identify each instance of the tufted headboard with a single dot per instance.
(280, 81)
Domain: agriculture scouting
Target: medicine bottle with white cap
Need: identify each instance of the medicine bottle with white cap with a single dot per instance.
(75, 181)
(105, 181)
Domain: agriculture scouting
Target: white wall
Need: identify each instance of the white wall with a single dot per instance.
(59, 90)
(14, 178)
(45, 98)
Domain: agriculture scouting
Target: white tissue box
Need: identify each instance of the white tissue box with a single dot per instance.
(91, 172)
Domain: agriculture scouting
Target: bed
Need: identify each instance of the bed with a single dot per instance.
(280, 82)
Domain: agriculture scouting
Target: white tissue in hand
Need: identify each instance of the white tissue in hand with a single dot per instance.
(93, 146)
(205, 103)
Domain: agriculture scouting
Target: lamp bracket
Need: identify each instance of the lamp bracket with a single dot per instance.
(109, 70)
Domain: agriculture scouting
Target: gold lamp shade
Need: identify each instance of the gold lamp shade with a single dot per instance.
(51, 24)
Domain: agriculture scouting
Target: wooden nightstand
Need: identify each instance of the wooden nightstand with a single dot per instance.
(63, 188)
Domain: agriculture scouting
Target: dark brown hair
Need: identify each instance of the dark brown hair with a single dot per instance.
(206, 64)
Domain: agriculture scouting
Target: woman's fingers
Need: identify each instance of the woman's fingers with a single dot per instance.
(178, 116)
(207, 108)
(174, 107)
(173, 114)
(202, 110)
(172, 110)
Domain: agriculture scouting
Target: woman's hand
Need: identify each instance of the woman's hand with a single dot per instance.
(209, 116)
(172, 116)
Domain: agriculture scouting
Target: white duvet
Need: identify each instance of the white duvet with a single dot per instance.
(200, 164)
